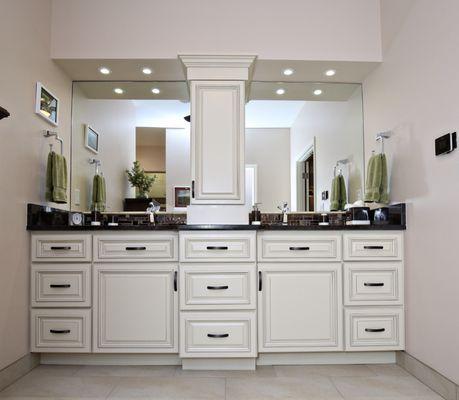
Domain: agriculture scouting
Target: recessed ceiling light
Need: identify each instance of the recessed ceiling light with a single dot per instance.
(288, 71)
(280, 91)
(104, 70)
(155, 91)
(317, 92)
(118, 90)
(330, 72)
(147, 71)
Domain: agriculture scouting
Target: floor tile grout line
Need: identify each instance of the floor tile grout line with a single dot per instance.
(336, 387)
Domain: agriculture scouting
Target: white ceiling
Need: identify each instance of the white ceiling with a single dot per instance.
(172, 70)
(161, 113)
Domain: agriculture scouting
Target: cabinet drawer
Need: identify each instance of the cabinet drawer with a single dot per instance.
(66, 331)
(298, 247)
(219, 286)
(150, 247)
(61, 248)
(217, 334)
(373, 283)
(217, 246)
(61, 285)
(373, 246)
(372, 329)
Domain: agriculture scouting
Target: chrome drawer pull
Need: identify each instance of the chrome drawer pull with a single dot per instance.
(217, 247)
(61, 248)
(373, 247)
(293, 248)
(129, 248)
(60, 331)
(59, 285)
(224, 287)
(218, 335)
(375, 329)
(373, 284)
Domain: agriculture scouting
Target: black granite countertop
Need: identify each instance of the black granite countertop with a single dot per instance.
(220, 228)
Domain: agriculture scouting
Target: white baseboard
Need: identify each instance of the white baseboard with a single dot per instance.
(371, 357)
(247, 364)
(110, 359)
(430, 377)
(18, 369)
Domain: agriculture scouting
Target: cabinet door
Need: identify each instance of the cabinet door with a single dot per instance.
(135, 308)
(300, 307)
(217, 142)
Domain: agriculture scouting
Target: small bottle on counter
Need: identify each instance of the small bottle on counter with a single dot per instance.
(255, 215)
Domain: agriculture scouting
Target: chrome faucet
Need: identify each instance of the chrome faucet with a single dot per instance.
(284, 209)
(153, 207)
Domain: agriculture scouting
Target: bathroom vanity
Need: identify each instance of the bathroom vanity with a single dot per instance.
(230, 297)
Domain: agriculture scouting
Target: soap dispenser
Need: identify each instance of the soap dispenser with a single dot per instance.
(255, 215)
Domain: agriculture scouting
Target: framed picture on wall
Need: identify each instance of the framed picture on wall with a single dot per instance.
(46, 104)
(91, 139)
(182, 196)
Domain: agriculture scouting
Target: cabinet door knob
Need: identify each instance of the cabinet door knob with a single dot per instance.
(298, 248)
(375, 330)
(59, 285)
(373, 247)
(61, 248)
(217, 247)
(223, 287)
(218, 335)
(60, 331)
(129, 248)
(373, 284)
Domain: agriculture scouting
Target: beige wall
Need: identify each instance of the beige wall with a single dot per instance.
(269, 149)
(338, 129)
(24, 60)
(114, 120)
(151, 158)
(292, 30)
(414, 94)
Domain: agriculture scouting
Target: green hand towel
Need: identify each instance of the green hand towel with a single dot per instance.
(335, 194)
(383, 189)
(59, 178)
(376, 185)
(342, 193)
(49, 178)
(98, 193)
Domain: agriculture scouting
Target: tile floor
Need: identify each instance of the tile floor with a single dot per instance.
(315, 382)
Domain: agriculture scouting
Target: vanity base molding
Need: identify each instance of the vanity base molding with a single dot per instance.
(247, 364)
(110, 359)
(369, 357)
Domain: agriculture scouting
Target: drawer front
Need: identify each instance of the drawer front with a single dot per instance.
(373, 283)
(217, 246)
(299, 247)
(217, 286)
(372, 329)
(217, 334)
(373, 246)
(61, 285)
(66, 331)
(49, 248)
(157, 247)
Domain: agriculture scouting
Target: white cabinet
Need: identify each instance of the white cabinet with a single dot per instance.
(300, 307)
(135, 308)
(217, 142)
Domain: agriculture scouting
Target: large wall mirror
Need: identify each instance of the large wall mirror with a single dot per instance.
(299, 137)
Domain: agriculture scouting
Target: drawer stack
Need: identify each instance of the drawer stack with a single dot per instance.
(373, 291)
(61, 293)
(217, 294)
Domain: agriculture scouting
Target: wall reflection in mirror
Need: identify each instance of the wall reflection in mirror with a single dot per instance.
(302, 141)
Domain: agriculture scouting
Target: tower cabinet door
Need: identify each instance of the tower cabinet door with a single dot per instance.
(217, 142)
(135, 308)
(300, 307)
